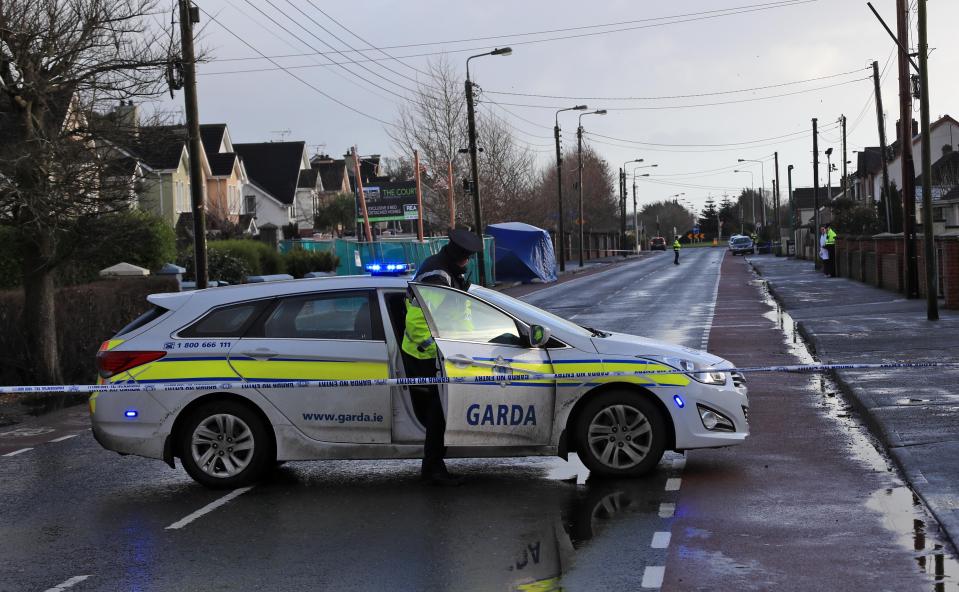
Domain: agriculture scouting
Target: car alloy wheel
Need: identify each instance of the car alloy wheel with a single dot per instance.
(620, 436)
(222, 445)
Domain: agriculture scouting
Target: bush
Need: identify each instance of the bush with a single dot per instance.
(300, 262)
(260, 258)
(132, 237)
(87, 315)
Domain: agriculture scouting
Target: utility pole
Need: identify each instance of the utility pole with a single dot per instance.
(635, 217)
(845, 170)
(579, 152)
(778, 205)
(929, 251)
(474, 171)
(622, 207)
(188, 16)
(815, 190)
(905, 143)
(884, 192)
(789, 197)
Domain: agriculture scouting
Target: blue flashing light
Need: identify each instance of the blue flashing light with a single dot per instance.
(388, 268)
(131, 413)
(679, 401)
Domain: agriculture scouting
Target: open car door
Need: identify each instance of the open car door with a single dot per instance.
(477, 339)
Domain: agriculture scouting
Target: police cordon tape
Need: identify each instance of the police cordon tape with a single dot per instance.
(127, 387)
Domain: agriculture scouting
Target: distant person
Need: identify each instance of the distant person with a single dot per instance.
(830, 246)
(676, 248)
(823, 252)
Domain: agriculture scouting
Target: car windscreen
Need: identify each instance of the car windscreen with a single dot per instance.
(529, 313)
(745, 240)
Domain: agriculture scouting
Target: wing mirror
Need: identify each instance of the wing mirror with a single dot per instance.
(539, 335)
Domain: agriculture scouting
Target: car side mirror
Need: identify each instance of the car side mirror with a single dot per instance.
(539, 335)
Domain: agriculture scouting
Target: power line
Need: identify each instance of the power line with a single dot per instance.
(331, 98)
(688, 96)
(673, 20)
(757, 141)
(697, 151)
(696, 105)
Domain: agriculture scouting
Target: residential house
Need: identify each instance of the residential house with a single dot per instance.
(804, 203)
(166, 189)
(309, 188)
(945, 192)
(333, 174)
(273, 170)
(224, 186)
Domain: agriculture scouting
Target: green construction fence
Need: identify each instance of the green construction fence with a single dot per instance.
(354, 256)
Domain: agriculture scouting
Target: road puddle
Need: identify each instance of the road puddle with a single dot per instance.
(901, 510)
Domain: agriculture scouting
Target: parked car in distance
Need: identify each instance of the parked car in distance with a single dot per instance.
(657, 243)
(740, 244)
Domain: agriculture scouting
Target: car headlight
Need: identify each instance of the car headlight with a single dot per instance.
(710, 377)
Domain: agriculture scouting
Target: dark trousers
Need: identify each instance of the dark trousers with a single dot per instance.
(829, 265)
(676, 260)
(426, 400)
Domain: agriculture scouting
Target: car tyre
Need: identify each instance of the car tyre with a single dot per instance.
(225, 444)
(620, 434)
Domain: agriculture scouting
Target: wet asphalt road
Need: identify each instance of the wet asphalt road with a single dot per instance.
(70, 509)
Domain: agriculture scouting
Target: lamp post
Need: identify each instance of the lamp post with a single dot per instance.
(474, 166)
(828, 175)
(752, 187)
(762, 188)
(792, 221)
(636, 241)
(561, 234)
(579, 151)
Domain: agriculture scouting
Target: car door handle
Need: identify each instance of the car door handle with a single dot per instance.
(260, 354)
(460, 361)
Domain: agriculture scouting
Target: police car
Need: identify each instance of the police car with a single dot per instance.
(352, 328)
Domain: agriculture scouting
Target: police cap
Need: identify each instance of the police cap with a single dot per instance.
(465, 240)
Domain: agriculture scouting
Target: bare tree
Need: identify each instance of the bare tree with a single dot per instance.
(600, 203)
(61, 63)
(435, 124)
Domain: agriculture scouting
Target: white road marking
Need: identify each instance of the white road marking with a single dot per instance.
(704, 343)
(667, 510)
(209, 508)
(673, 483)
(67, 584)
(62, 438)
(16, 452)
(653, 576)
(661, 540)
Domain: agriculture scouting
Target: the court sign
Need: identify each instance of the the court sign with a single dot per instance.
(391, 201)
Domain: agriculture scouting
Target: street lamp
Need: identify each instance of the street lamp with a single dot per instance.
(474, 167)
(559, 185)
(579, 150)
(828, 176)
(762, 199)
(635, 208)
(622, 201)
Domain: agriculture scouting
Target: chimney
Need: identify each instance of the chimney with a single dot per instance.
(946, 149)
(127, 117)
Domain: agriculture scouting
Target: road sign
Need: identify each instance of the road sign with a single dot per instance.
(391, 201)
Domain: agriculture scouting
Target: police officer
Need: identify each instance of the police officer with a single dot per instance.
(446, 268)
(676, 248)
(829, 265)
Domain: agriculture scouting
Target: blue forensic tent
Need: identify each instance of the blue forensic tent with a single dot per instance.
(523, 252)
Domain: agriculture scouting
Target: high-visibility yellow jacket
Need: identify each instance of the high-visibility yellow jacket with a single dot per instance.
(676, 245)
(830, 236)
(440, 270)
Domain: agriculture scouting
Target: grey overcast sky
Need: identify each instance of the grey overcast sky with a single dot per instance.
(760, 46)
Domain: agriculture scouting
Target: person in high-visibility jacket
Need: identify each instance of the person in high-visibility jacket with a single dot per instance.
(446, 268)
(676, 248)
(829, 265)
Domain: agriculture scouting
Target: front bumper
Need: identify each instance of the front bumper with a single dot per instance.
(729, 399)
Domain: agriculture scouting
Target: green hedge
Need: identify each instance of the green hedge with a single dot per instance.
(300, 262)
(93, 244)
(260, 258)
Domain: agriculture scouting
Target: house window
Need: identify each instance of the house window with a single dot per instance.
(938, 215)
(251, 204)
(292, 212)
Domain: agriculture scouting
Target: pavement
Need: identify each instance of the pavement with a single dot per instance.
(913, 413)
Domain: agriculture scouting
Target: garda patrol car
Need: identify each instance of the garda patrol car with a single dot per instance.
(352, 328)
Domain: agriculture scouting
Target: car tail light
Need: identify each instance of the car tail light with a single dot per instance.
(111, 363)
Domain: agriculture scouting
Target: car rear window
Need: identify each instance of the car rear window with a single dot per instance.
(741, 241)
(228, 321)
(345, 316)
(149, 316)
